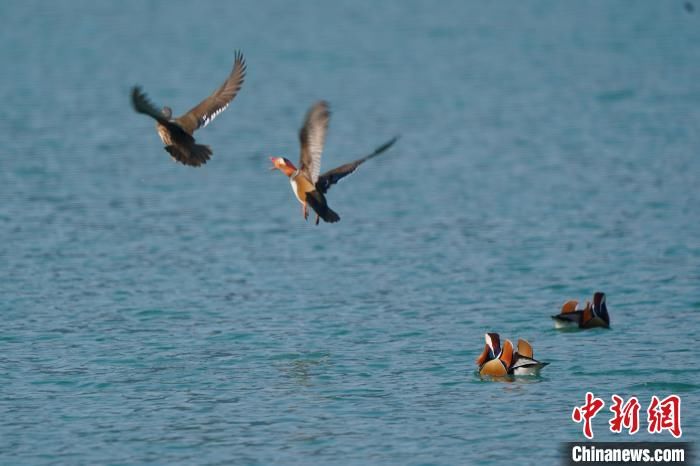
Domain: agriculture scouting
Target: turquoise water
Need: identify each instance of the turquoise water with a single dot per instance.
(154, 313)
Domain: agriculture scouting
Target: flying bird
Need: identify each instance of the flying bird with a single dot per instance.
(308, 184)
(176, 133)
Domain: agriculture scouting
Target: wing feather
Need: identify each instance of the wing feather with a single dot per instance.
(208, 109)
(331, 177)
(143, 105)
(312, 137)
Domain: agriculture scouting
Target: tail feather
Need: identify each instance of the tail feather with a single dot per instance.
(317, 201)
(194, 155)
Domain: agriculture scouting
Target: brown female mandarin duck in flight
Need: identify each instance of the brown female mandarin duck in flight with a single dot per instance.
(176, 133)
(309, 187)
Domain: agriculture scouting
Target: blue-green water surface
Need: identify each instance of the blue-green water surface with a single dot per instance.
(156, 313)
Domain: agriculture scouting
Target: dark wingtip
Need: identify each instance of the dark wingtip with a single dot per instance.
(324, 105)
(239, 58)
(135, 94)
(388, 144)
(326, 108)
(383, 147)
(138, 97)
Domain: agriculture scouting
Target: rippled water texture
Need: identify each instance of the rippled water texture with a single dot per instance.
(157, 313)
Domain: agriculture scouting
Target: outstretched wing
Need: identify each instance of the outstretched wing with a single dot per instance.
(143, 105)
(201, 115)
(331, 177)
(312, 137)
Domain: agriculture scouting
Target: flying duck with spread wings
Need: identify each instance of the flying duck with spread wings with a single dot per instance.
(308, 184)
(176, 133)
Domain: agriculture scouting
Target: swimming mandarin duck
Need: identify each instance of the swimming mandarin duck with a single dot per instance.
(590, 316)
(176, 133)
(496, 360)
(309, 187)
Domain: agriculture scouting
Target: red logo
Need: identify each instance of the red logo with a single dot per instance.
(661, 415)
(626, 415)
(665, 415)
(587, 412)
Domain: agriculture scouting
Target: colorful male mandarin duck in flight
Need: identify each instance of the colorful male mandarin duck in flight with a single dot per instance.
(309, 187)
(176, 133)
(588, 317)
(498, 361)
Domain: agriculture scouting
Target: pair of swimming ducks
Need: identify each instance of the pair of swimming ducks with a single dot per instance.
(500, 360)
(308, 184)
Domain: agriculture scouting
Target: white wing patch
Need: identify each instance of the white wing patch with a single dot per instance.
(209, 118)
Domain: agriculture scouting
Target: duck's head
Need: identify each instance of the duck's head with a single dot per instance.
(493, 342)
(494, 360)
(283, 165)
(599, 307)
(167, 112)
(491, 349)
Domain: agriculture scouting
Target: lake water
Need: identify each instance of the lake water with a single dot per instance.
(156, 313)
